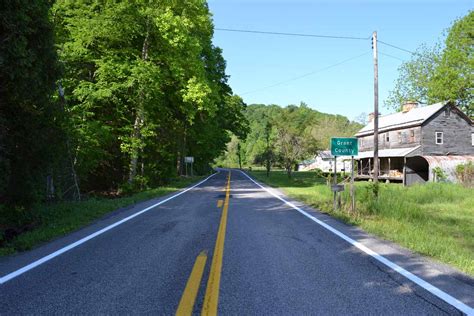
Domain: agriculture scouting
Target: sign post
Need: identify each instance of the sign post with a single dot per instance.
(186, 161)
(335, 183)
(344, 146)
(352, 185)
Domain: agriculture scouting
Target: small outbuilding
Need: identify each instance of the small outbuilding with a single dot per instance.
(325, 162)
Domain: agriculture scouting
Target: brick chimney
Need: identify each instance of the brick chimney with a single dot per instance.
(370, 119)
(409, 105)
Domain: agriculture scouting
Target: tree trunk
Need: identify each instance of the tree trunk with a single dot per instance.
(181, 153)
(139, 121)
(134, 155)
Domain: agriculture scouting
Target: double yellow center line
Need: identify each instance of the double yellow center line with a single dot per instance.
(211, 297)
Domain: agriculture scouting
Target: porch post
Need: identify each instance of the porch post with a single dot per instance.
(404, 171)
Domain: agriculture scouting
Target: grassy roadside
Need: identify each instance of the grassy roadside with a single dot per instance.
(436, 219)
(61, 218)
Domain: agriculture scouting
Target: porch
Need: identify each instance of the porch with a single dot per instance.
(392, 165)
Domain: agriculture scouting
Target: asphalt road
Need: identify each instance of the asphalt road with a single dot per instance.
(269, 260)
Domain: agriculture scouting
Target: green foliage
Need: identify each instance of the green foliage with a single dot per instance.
(465, 174)
(144, 84)
(144, 87)
(30, 121)
(440, 73)
(440, 175)
(58, 219)
(284, 136)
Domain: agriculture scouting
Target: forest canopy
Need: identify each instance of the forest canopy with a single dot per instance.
(284, 136)
(107, 96)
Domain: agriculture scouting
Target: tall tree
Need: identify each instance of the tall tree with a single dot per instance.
(145, 88)
(440, 73)
(294, 143)
(30, 121)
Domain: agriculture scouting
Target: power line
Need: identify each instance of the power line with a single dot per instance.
(292, 34)
(391, 56)
(305, 75)
(402, 49)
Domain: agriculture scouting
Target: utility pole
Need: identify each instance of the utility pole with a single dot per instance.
(376, 109)
(238, 155)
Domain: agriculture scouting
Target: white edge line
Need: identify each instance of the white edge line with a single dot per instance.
(38, 262)
(419, 281)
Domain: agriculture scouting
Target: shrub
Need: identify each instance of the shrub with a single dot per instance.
(465, 174)
(439, 175)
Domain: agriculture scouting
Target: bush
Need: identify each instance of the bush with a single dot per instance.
(319, 172)
(465, 174)
(439, 175)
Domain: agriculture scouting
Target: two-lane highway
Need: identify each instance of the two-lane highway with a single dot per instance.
(226, 246)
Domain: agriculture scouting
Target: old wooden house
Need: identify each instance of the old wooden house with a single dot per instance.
(413, 142)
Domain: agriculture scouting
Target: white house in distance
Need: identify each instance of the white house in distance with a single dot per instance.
(325, 161)
(415, 141)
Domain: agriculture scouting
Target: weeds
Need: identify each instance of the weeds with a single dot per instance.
(60, 218)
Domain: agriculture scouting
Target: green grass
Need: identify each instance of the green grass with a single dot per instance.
(61, 218)
(435, 219)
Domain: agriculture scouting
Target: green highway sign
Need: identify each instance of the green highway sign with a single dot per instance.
(344, 146)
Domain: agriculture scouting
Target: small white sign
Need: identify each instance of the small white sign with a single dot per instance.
(188, 159)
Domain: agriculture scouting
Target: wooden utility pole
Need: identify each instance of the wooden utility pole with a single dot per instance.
(376, 109)
(239, 156)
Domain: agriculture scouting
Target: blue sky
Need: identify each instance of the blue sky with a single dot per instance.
(256, 61)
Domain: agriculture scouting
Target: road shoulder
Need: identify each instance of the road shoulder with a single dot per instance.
(444, 277)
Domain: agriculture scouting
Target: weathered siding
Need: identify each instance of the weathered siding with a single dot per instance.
(366, 143)
(456, 135)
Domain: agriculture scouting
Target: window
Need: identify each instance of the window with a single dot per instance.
(399, 137)
(439, 138)
(447, 112)
(412, 136)
(387, 137)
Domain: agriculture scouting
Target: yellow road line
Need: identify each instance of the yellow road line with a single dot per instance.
(186, 304)
(212, 291)
(219, 203)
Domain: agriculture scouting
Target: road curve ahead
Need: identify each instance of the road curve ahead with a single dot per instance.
(226, 246)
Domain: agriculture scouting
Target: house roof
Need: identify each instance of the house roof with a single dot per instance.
(326, 154)
(396, 152)
(397, 120)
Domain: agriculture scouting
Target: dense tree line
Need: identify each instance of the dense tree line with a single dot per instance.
(284, 136)
(106, 95)
(30, 120)
(440, 73)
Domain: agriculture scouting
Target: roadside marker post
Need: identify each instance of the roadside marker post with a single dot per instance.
(344, 146)
(189, 160)
(352, 185)
(334, 188)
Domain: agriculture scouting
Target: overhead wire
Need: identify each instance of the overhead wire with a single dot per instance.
(292, 34)
(391, 56)
(304, 75)
(315, 36)
(397, 47)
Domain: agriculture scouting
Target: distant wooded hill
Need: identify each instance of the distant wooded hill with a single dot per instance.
(285, 134)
